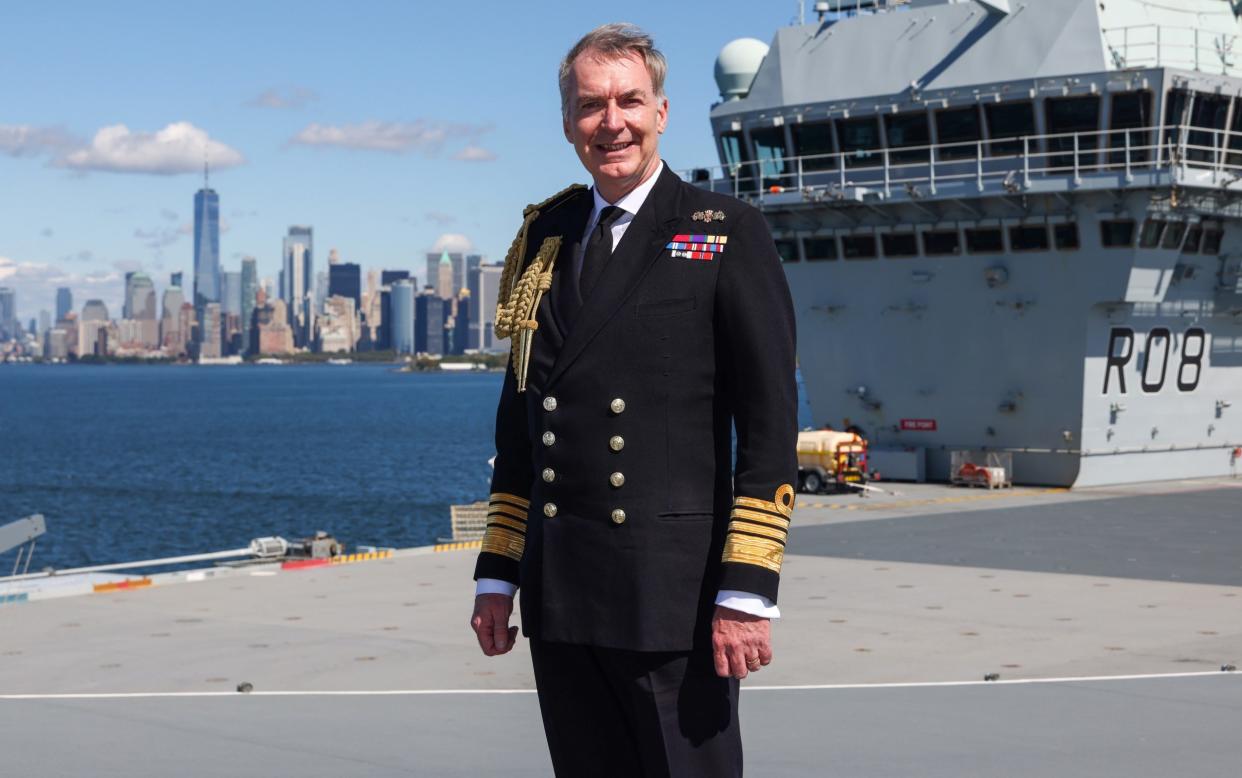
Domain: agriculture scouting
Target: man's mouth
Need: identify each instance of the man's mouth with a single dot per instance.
(610, 147)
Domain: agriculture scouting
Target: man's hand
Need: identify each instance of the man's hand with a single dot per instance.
(741, 643)
(490, 623)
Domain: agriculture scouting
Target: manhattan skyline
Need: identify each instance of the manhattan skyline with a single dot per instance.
(394, 129)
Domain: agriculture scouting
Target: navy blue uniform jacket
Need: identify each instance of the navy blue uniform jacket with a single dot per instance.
(692, 347)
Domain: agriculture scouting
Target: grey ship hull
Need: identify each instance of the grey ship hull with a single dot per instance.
(1090, 359)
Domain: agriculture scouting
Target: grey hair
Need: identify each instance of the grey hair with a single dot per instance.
(614, 41)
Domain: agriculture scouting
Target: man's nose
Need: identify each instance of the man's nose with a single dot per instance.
(613, 117)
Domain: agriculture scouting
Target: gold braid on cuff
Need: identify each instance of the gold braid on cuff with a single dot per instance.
(506, 525)
(759, 529)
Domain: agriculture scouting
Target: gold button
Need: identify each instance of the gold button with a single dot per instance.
(549, 509)
(617, 480)
(616, 442)
(617, 405)
(549, 438)
(549, 475)
(549, 403)
(618, 516)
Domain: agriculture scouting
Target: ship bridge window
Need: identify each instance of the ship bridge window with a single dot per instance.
(1213, 232)
(1173, 235)
(787, 250)
(941, 242)
(1117, 233)
(900, 244)
(1028, 237)
(1194, 236)
(1065, 236)
(858, 246)
(1175, 115)
(906, 131)
(1071, 118)
(770, 155)
(1207, 119)
(1235, 137)
(819, 249)
(813, 143)
(733, 152)
(1131, 120)
(958, 132)
(1149, 236)
(1009, 120)
(985, 240)
(859, 139)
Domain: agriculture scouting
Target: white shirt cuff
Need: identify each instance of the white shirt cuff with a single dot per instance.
(494, 586)
(746, 602)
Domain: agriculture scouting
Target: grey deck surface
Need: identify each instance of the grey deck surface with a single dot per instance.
(938, 585)
(1194, 537)
(1158, 728)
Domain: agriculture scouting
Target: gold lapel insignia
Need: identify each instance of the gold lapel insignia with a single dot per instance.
(708, 216)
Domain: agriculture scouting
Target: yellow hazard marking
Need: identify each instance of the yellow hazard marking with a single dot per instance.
(116, 586)
(345, 559)
(461, 545)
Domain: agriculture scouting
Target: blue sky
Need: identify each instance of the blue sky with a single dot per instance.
(390, 127)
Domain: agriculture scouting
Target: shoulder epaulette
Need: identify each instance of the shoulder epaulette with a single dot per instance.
(555, 200)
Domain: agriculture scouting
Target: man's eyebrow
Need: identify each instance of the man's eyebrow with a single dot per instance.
(587, 96)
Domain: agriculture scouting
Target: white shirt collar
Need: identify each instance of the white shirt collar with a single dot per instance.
(631, 202)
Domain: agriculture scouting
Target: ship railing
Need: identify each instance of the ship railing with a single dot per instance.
(1184, 48)
(1116, 157)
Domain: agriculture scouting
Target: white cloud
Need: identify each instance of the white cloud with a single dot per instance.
(36, 284)
(453, 242)
(170, 215)
(23, 140)
(473, 153)
(178, 148)
(283, 98)
(394, 137)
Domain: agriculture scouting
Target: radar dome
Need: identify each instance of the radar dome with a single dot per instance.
(736, 66)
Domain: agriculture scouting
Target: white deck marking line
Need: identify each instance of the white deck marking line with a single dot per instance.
(431, 692)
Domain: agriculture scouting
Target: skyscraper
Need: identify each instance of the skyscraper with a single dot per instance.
(9, 326)
(210, 346)
(64, 302)
(297, 276)
(206, 247)
(231, 300)
(139, 297)
(430, 311)
(345, 280)
(446, 287)
(175, 280)
(249, 292)
(445, 274)
(401, 329)
(172, 336)
(484, 307)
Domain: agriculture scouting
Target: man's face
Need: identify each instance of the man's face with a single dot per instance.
(615, 121)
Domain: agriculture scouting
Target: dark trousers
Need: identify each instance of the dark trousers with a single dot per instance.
(636, 714)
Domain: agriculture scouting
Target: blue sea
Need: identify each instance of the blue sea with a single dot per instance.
(131, 462)
(138, 462)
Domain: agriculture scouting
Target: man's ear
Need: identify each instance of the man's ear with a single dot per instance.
(662, 115)
(565, 128)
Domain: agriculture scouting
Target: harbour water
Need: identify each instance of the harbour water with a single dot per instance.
(136, 462)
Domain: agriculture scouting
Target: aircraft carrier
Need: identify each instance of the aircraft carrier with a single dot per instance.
(1109, 618)
(1009, 227)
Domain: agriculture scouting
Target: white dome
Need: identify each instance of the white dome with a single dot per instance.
(736, 66)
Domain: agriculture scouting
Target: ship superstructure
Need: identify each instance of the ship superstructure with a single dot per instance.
(1007, 226)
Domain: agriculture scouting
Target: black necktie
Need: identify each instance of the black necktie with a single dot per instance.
(598, 250)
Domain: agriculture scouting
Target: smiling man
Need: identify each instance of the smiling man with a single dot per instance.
(650, 319)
